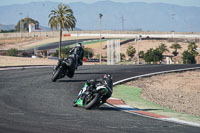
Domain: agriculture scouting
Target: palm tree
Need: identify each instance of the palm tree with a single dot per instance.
(176, 46)
(62, 18)
(192, 47)
(130, 51)
(163, 48)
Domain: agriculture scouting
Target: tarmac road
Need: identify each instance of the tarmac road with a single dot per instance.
(64, 43)
(31, 103)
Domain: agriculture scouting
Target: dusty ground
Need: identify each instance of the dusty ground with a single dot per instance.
(177, 91)
(20, 61)
(29, 42)
(18, 43)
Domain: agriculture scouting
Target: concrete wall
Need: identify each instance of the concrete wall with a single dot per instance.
(104, 34)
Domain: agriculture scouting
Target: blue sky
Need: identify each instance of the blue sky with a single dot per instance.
(177, 2)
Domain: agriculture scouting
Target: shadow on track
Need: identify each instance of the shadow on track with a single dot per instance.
(89, 73)
(108, 109)
(73, 81)
(150, 109)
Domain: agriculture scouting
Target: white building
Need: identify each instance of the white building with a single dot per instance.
(31, 27)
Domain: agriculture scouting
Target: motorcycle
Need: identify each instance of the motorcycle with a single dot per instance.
(91, 96)
(65, 67)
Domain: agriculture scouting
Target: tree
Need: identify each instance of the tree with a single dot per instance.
(25, 24)
(192, 47)
(176, 46)
(163, 48)
(130, 51)
(141, 54)
(62, 18)
(12, 52)
(64, 50)
(188, 58)
(88, 53)
(122, 56)
(153, 55)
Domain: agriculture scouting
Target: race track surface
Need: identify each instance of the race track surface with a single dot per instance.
(64, 43)
(31, 103)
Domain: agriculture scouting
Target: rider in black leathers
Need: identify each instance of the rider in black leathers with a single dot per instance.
(80, 53)
(107, 81)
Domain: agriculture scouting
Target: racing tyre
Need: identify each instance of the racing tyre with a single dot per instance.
(95, 100)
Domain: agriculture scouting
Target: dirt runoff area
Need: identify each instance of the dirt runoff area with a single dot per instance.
(24, 61)
(21, 61)
(177, 91)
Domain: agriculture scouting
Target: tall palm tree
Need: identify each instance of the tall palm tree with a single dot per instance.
(175, 46)
(163, 48)
(62, 18)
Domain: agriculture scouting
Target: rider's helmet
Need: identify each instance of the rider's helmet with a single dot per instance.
(108, 79)
(107, 76)
(79, 44)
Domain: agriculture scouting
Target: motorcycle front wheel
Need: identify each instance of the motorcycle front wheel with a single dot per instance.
(93, 101)
(55, 75)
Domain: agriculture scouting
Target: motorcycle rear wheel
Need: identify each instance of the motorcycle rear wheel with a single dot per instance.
(93, 102)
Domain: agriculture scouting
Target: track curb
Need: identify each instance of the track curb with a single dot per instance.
(120, 105)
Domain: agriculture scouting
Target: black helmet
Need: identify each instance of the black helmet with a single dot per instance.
(79, 44)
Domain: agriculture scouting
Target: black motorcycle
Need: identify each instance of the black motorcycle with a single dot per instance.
(65, 67)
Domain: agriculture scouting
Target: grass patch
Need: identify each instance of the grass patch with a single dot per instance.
(132, 96)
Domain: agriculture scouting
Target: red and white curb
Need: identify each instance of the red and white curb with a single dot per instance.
(120, 105)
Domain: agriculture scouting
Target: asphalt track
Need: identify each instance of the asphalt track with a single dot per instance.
(31, 103)
(64, 43)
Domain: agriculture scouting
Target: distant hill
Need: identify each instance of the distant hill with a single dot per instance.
(137, 15)
(7, 27)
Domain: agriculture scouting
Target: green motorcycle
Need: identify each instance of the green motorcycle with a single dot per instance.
(94, 93)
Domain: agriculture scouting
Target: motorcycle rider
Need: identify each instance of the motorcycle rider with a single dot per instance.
(80, 52)
(107, 81)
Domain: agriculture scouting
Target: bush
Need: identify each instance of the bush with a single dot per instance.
(64, 52)
(88, 53)
(141, 54)
(188, 58)
(24, 54)
(12, 52)
(153, 55)
(130, 51)
(122, 56)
